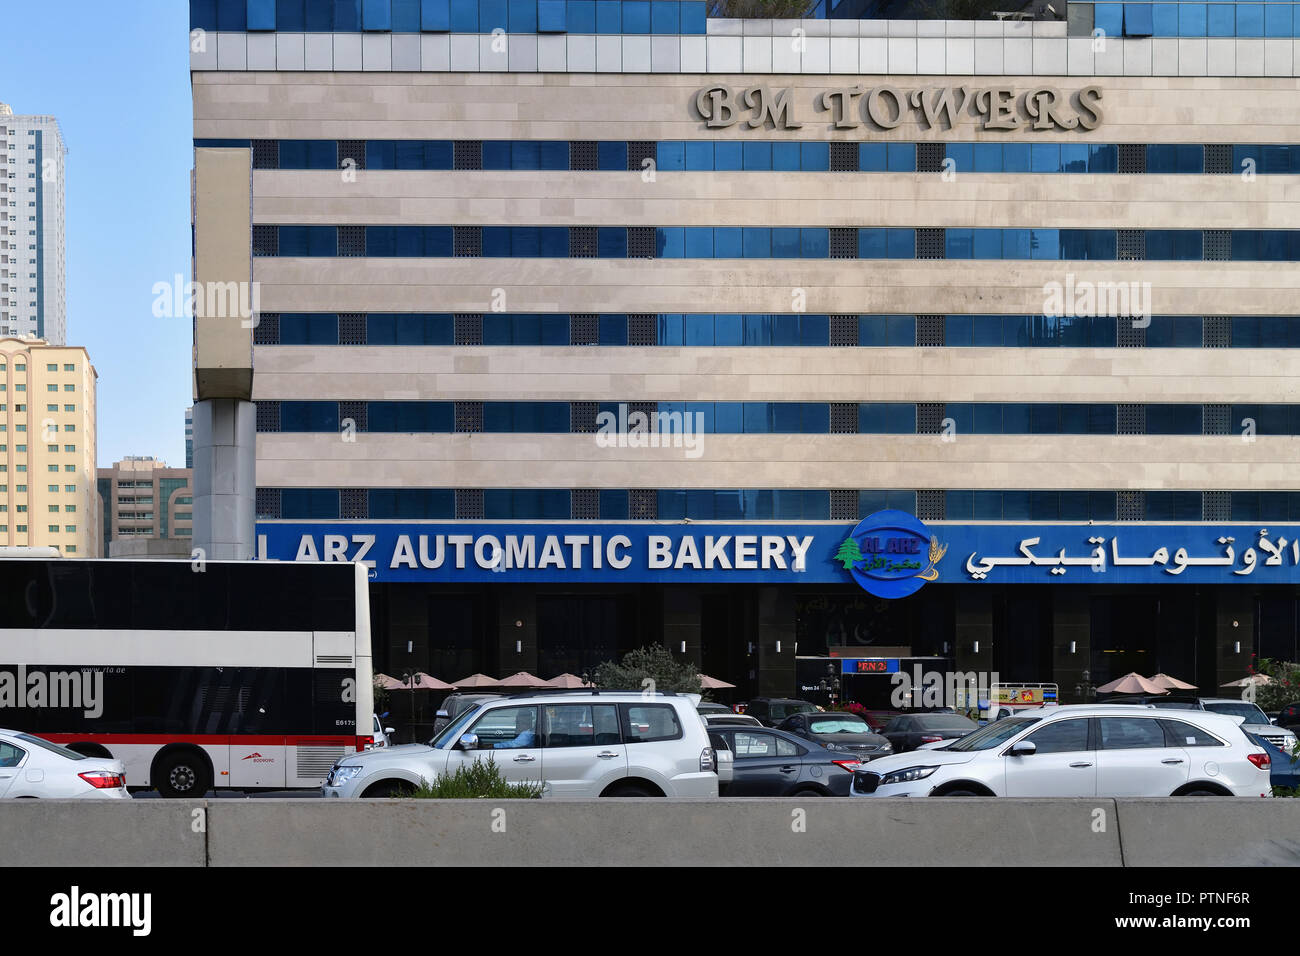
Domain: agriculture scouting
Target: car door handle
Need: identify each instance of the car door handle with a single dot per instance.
(1172, 760)
(789, 769)
(1081, 764)
(606, 754)
(524, 758)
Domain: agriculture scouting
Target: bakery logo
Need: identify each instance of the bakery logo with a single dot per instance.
(891, 554)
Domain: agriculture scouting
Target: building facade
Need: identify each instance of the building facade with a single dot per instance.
(189, 438)
(33, 267)
(142, 499)
(619, 325)
(47, 448)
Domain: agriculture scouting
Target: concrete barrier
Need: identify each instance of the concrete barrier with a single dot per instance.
(103, 832)
(1188, 831)
(1210, 831)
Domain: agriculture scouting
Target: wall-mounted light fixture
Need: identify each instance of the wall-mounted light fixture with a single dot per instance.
(1236, 647)
(519, 647)
(683, 647)
(1072, 647)
(976, 648)
(778, 647)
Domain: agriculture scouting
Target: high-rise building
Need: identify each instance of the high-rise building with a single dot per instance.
(33, 269)
(144, 500)
(786, 345)
(189, 437)
(47, 448)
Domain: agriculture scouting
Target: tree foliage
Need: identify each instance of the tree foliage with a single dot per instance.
(654, 663)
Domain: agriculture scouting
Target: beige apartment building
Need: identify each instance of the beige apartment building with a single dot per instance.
(143, 500)
(1030, 286)
(47, 448)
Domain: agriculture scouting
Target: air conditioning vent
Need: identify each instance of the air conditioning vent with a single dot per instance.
(333, 659)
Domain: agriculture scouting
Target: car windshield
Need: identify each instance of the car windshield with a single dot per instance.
(452, 730)
(1251, 712)
(986, 738)
(52, 748)
(782, 711)
(944, 722)
(838, 725)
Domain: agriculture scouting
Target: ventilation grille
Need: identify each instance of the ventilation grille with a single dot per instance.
(638, 151)
(268, 416)
(1216, 419)
(582, 242)
(353, 149)
(467, 154)
(844, 330)
(642, 504)
(843, 243)
(467, 328)
(266, 154)
(466, 241)
(334, 660)
(352, 328)
(582, 417)
(1216, 331)
(469, 502)
(1216, 245)
(312, 762)
(267, 330)
(844, 505)
(1131, 244)
(1128, 335)
(584, 155)
(649, 409)
(358, 412)
(469, 416)
(223, 699)
(931, 505)
(929, 330)
(1218, 158)
(844, 157)
(930, 243)
(354, 503)
(1132, 157)
(267, 502)
(641, 242)
(1216, 505)
(642, 328)
(930, 157)
(1131, 506)
(584, 503)
(584, 328)
(844, 418)
(929, 417)
(352, 241)
(266, 240)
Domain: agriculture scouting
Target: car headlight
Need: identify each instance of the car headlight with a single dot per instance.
(341, 775)
(907, 775)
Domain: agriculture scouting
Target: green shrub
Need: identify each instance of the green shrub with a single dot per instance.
(482, 778)
(650, 668)
(1284, 688)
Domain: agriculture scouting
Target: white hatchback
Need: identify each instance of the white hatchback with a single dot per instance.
(1081, 751)
(32, 767)
(576, 744)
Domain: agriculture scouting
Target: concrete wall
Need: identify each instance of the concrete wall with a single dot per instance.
(972, 832)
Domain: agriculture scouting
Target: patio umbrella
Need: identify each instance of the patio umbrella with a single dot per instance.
(712, 683)
(521, 679)
(1171, 683)
(566, 681)
(476, 681)
(1131, 684)
(424, 682)
(1255, 679)
(390, 683)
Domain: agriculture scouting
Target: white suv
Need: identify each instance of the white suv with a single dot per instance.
(577, 744)
(1081, 751)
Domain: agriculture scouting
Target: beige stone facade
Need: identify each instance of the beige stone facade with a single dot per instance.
(145, 500)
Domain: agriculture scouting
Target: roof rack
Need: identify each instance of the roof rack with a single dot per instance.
(561, 691)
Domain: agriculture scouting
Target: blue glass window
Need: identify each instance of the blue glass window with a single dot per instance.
(232, 15)
(613, 504)
(1164, 19)
(298, 328)
(815, 330)
(613, 329)
(786, 157)
(1137, 20)
(377, 15)
(550, 16)
(290, 15)
(493, 15)
(728, 329)
(815, 243)
(1173, 506)
(203, 14)
(670, 242)
(261, 15)
(1277, 19)
(309, 503)
(412, 503)
(1182, 158)
(611, 242)
(1045, 158)
(464, 16)
(406, 16)
(1015, 157)
(671, 155)
(636, 16)
(308, 241)
(726, 242)
(1103, 158)
(1173, 419)
(609, 16)
(785, 243)
(872, 157)
(1250, 19)
(665, 16)
(902, 157)
(727, 157)
(758, 155)
(308, 154)
(435, 16)
(581, 16)
(1173, 244)
(757, 242)
(988, 157)
(887, 418)
(309, 416)
(523, 16)
(815, 157)
(1220, 20)
(612, 155)
(496, 154)
(1191, 19)
(962, 155)
(694, 17)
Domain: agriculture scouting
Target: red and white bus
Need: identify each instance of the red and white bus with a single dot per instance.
(230, 674)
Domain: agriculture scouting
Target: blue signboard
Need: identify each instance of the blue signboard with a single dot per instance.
(868, 665)
(909, 553)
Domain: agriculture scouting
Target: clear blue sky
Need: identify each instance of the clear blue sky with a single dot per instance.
(116, 76)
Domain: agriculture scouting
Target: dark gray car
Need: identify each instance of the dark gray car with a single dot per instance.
(912, 730)
(773, 763)
(839, 731)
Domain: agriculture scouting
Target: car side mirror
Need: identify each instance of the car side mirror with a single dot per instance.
(390, 730)
(468, 742)
(1023, 748)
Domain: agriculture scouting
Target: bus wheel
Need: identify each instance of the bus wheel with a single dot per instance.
(182, 774)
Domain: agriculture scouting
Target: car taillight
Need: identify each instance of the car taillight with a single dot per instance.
(930, 739)
(849, 765)
(707, 761)
(103, 779)
(365, 743)
(1262, 761)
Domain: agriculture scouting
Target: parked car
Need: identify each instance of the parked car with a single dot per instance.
(577, 744)
(908, 731)
(839, 730)
(32, 767)
(1284, 768)
(456, 704)
(773, 763)
(772, 710)
(713, 707)
(381, 733)
(1289, 717)
(725, 760)
(731, 720)
(1082, 751)
(1256, 721)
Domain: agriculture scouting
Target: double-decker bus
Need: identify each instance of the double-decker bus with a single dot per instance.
(228, 674)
